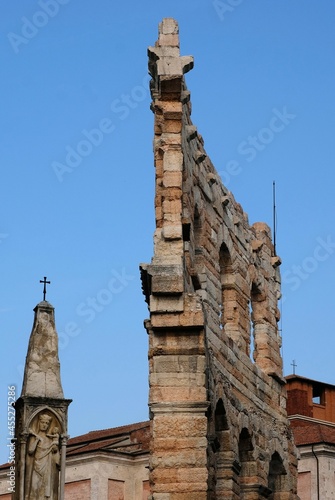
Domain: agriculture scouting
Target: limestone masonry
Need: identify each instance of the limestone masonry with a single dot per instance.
(41, 416)
(217, 399)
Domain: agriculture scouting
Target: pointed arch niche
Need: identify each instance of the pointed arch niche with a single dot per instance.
(249, 486)
(277, 477)
(197, 230)
(266, 345)
(228, 305)
(234, 313)
(256, 307)
(227, 469)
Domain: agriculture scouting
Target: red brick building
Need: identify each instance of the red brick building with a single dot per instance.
(311, 410)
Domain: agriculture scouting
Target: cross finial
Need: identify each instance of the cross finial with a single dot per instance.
(294, 366)
(45, 282)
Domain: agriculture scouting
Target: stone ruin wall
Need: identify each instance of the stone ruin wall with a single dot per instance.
(218, 417)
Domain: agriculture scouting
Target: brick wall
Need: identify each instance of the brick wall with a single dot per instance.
(298, 403)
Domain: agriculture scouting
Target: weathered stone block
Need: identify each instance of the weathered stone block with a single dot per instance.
(173, 161)
(172, 179)
(166, 304)
(179, 425)
(172, 231)
(174, 394)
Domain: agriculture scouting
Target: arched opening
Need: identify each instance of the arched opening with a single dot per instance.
(227, 469)
(194, 251)
(221, 423)
(252, 334)
(233, 307)
(254, 311)
(258, 328)
(265, 331)
(228, 306)
(276, 477)
(197, 230)
(248, 473)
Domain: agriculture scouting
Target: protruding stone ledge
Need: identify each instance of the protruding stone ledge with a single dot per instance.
(166, 280)
(185, 96)
(224, 201)
(169, 65)
(166, 304)
(166, 66)
(191, 132)
(275, 261)
(199, 156)
(189, 320)
(211, 179)
(173, 407)
(277, 377)
(192, 316)
(172, 232)
(256, 245)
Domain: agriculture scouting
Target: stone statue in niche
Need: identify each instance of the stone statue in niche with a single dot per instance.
(43, 459)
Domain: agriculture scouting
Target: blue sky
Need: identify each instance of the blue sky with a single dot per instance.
(77, 176)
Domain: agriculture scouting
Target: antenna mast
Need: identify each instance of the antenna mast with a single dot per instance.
(274, 216)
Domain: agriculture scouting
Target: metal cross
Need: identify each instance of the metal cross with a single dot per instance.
(294, 366)
(45, 282)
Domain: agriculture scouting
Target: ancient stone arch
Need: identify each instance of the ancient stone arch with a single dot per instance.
(277, 477)
(217, 417)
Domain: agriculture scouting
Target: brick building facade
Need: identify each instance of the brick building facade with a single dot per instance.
(311, 409)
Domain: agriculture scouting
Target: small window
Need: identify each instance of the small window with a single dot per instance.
(318, 395)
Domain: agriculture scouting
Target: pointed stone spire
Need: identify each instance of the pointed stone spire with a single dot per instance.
(41, 415)
(42, 369)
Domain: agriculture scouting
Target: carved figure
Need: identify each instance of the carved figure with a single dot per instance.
(43, 461)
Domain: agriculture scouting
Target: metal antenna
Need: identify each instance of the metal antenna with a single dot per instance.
(274, 216)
